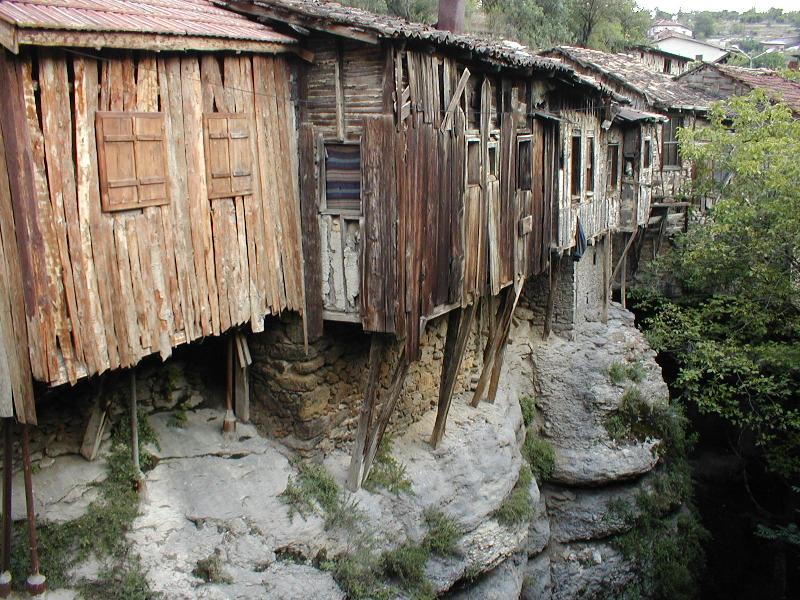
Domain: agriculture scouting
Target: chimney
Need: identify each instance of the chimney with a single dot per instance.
(451, 15)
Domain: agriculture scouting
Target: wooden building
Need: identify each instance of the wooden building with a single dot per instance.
(149, 192)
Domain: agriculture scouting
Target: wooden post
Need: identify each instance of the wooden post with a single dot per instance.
(134, 416)
(624, 275)
(459, 324)
(36, 583)
(510, 300)
(555, 265)
(241, 381)
(607, 254)
(229, 423)
(8, 477)
(395, 387)
(376, 347)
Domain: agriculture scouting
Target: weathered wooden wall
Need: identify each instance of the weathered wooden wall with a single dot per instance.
(429, 236)
(593, 208)
(104, 289)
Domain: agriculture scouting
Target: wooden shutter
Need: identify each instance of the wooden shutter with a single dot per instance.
(229, 162)
(131, 156)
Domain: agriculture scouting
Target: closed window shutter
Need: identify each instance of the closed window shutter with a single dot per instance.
(229, 161)
(131, 157)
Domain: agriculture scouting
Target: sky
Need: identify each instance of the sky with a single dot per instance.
(738, 5)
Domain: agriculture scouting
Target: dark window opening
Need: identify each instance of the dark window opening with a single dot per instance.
(590, 164)
(575, 161)
(613, 166)
(667, 66)
(343, 177)
(473, 162)
(524, 175)
(671, 157)
(493, 160)
(646, 152)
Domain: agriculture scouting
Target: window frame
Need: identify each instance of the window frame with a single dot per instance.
(670, 146)
(647, 153)
(323, 167)
(590, 166)
(613, 150)
(525, 139)
(576, 170)
(472, 142)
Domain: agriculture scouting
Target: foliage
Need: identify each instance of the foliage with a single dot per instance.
(123, 581)
(387, 472)
(635, 371)
(422, 11)
(516, 507)
(535, 23)
(607, 24)
(528, 407)
(100, 531)
(540, 456)
(313, 490)
(443, 532)
(406, 563)
(210, 570)
(617, 373)
(178, 418)
(734, 331)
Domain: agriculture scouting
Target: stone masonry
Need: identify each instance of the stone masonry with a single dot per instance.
(311, 400)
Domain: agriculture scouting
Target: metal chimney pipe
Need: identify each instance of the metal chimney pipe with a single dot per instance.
(451, 15)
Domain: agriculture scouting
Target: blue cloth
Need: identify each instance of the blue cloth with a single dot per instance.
(580, 243)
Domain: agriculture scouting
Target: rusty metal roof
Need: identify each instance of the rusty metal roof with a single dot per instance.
(166, 17)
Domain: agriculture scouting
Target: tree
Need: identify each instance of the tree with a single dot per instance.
(586, 16)
(607, 24)
(535, 23)
(703, 25)
(735, 330)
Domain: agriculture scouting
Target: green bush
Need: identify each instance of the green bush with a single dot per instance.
(617, 373)
(636, 372)
(387, 472)
(528, 406)
(311, 488)
(516, 507)
(443, 532)
(540, 456)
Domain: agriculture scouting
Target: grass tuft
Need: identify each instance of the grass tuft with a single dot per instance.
(617, 373)
(178, 419)
(540, 456)
(387, 472)
(636, 372)
(516, 507)
(528, 406)
(443, 532)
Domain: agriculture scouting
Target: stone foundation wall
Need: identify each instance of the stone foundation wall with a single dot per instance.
(311, 401)
(579, 293)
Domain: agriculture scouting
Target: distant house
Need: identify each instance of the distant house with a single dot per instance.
(784, 44)
(688, 47)
(669, 26)
(724, 81)
(659, 61)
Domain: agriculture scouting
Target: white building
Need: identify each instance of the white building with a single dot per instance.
(689, 47)
(665, 25)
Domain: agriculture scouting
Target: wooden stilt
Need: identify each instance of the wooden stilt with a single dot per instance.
(510, 299)
(607, 245)
(229, 423)
(134, 416)
(494, 380)
(555, 265)
(241, 381)
(459, 324)
(8, 476)
(392, 396)
(622, 280)
(376, 347)
(36, 583)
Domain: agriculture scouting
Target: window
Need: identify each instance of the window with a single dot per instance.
(590, 164)
(343, 177)
(473, 162)
(493, 159)
(667, 66)
(229, 161)
(613, 166)
(575, 162)
(131, 156)
(524, 174)
(669, 151)
(646, 151)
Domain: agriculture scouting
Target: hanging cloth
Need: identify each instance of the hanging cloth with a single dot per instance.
(580, 242)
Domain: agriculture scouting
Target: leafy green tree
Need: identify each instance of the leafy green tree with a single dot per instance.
(735, 329)
(703, 25)
(422, 11)
(535, 23)
(607, 24)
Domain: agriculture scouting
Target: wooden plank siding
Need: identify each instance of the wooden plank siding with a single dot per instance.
(427, 238)
(103, 289)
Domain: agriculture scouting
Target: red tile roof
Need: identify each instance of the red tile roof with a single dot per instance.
(167, 17)
(765, 79)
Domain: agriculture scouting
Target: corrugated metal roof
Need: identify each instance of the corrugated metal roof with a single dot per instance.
(166, 17)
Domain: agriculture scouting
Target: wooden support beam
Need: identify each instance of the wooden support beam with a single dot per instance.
(495, 354)
(555, 266)
(392, 396)
(241, 379)
(459, 324)
(376, 351)
(607, 257)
